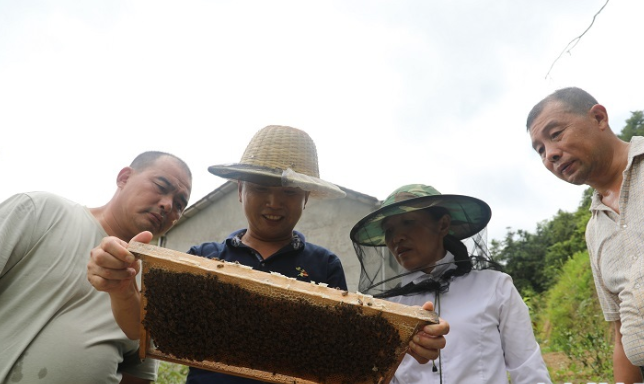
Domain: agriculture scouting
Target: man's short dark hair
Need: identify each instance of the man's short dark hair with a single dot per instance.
(146, 159)
(576, 99)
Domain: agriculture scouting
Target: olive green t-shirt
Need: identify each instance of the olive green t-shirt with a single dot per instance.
(54, 326)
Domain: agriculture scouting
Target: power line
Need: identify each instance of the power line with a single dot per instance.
(575, 41)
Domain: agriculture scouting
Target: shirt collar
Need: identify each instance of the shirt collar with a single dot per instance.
(234, 239)
(635, 148)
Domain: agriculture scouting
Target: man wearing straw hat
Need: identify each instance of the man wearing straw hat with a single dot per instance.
(276, 175)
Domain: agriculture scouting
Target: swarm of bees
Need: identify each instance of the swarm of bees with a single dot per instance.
(200, 317)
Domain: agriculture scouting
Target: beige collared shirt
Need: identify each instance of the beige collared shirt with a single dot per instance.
(616, 248)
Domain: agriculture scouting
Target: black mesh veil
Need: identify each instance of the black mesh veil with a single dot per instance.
(382, 276)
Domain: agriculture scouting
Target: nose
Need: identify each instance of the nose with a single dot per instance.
(553, 154)
(273, 199)
(397, 236)
(165, 205)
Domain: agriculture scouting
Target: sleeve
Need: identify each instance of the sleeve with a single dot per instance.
(207, 250)
(523, 358)
(195, 250)
(18, 219)
(335, 277)
(630, 314)
(607, 300)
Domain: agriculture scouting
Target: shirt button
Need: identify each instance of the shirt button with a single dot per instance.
(624, 226)
(637, 286)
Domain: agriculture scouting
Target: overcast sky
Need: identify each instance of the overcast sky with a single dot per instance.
(392, 92)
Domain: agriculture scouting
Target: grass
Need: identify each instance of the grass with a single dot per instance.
(170, 373)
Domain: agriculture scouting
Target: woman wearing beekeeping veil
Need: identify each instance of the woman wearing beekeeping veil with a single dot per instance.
(412, 250)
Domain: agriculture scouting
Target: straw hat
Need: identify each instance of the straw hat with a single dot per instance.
(469, 215)
(280, 156)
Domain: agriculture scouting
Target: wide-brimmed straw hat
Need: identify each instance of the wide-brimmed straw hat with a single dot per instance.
(280, 156)
(469, 215)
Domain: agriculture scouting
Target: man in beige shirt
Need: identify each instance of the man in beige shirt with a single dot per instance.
(570, 131)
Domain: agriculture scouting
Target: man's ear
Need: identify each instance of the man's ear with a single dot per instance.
(600, 115)
(306, 199)
(124, 176)
(239, 189)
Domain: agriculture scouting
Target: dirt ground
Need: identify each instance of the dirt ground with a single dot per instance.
(561, 372)
(559, 367)
(556, 360)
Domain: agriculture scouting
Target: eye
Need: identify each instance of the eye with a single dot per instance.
(387, 228)
(161, 187)
(555, 134)
(539, 149)
(294, 192)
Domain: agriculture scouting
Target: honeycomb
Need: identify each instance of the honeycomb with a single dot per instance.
(229, 318)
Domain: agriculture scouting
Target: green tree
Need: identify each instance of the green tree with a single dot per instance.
(535, 259)
(634, 126)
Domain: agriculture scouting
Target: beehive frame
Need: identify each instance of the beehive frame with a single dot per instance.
(397, 322)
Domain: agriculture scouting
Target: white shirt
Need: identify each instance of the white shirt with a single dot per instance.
(490, 333)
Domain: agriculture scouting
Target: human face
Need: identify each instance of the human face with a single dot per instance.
(272, 212)
(569, 143)
(153, 198)
(416, 239)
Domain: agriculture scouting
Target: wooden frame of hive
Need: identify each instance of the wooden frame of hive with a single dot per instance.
(268, 287)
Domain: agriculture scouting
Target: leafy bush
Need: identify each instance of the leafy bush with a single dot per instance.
(170, 373)
(572, 321)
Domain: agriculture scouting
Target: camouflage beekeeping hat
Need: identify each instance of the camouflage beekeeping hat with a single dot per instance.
(469, 215)
(280, 156)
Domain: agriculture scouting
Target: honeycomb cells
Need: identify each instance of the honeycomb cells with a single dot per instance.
(199, 318)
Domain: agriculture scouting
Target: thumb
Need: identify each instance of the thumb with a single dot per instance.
(143, 237)
(428, 306)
